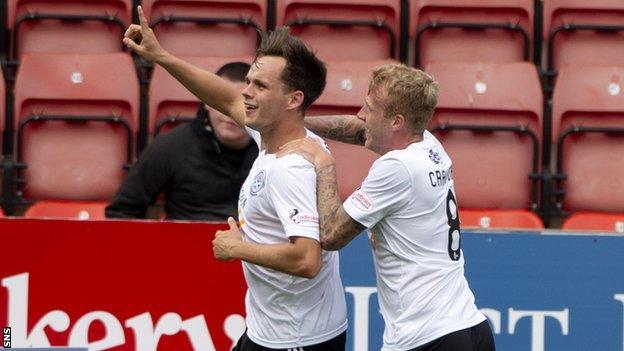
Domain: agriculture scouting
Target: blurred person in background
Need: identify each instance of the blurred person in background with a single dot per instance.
(198, 166)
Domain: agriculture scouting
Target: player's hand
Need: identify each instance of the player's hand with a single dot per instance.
(148, 47)
(309, 148)
(225, 241)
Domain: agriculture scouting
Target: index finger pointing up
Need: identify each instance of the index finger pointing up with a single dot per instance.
(142, 19)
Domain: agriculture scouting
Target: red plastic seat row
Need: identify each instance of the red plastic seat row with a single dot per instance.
(42, 26)
(595, 221)
(583, 32)
(575, 31)
(588, 128)
(492, 134)
(76, 117)
(471, 30)
(82, 210)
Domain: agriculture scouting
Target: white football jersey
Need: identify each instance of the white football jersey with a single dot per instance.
(408, 202)
(276, 202)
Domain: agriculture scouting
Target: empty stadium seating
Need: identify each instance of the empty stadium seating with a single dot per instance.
(346, 29)
(489, 119)
(471, 30)
(604, 222)
(170, 102)
(71, 27)
(583, 32)
(207, 28)
(588, 126)
(347, 85)
(499, 219)
(67, 210)
(75, 121)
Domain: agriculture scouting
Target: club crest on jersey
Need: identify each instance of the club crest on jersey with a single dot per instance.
(362, 201)
(258, 183)
(435, 157)
(297, 217)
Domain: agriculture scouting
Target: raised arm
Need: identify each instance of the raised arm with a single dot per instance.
(208, 87)
(345, 128)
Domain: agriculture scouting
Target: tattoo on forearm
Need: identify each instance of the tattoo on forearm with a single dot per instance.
(347, 129)
(336, 227)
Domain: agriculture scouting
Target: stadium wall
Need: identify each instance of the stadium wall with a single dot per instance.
(155, 286)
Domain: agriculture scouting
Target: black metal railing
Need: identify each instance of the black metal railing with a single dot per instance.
(574, 27)
(514, 27)
(534, 176)
(171, 120)
(379, 24)
(63, 17)
(76, 119)
(247, 22)
(561, 176)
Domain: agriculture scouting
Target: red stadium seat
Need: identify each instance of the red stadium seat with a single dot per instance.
(65, 209)
(75, 121)
(471, 30)
(584, 32)
(352, 165)
(170, 102)
(207, 28)
(604, 222)
(588, 125)
(346, 29)
(491, 132)
(347, 85)
(499, 219)
(71, 27)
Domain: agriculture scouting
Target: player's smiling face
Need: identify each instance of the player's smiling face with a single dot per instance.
(377, 127)
(265, 95)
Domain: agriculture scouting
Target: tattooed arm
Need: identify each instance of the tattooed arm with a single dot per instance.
(337, 228)
(345, 128)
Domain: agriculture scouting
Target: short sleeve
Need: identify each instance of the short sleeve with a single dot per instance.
(385, 189)
(293, 192)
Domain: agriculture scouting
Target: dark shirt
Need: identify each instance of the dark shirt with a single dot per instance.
(200, 177)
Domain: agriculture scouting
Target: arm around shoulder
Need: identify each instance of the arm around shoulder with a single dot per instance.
(344, 128)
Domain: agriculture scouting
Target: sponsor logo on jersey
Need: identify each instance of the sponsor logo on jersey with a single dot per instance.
(297, 217)
(362, 201)
(258, 183)
(434, 157)
(242, 199)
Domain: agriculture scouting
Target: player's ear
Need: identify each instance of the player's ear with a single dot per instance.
(398, 122)
(296, 100)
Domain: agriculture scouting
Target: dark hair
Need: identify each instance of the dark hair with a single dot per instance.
(234, 71)
(303, 71)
